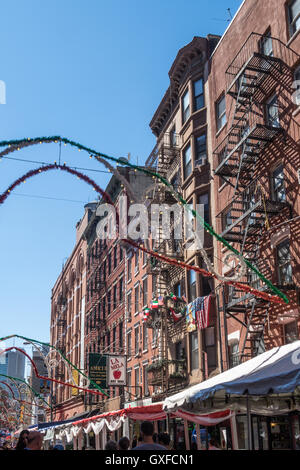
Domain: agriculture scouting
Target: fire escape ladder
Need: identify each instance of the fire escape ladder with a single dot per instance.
(255, 331)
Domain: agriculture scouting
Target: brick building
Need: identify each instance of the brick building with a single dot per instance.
(255, 156)
(67, 322)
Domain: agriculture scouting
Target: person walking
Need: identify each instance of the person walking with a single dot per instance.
(147, 430)
(123, 443)
(22, 442)
(164, 440)
(34, 441)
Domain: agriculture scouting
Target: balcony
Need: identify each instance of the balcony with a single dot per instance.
(250, 211)
(257, 67)
(168, 373)
(240, 150)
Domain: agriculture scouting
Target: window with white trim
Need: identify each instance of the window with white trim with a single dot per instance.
(221, 112)
(294, 16)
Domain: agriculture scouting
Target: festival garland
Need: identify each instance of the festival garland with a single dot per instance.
(167, 259)
(62, 355)
(16, 144)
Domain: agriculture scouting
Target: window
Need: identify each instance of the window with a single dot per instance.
(173, 142)
(221, 113)
(115, 257)
(129, 268)
(201, 155)
(177, 290)
(272, 112)
(187, 161)
(291, 332)
(192, 285)
(203, 199)
(136, 298)
(154, 283)
(145, 337)
(136, 339)
(185, 106)
(129, 344)
(129, 304)
(108, 341)
(144, 257)
(136, 258)
(137, 381)
(266, 46)
(109, 302)
(114, 339)
(296, 95)
(128, 393)
(145, 291)
(103, 308)
(210, 347)
(227, 219)
(284, 263)
(121, 335)
(194, 350)
(121, 286)
(198, 94)
(121, 253)
(115, 297)
(109, 263)
(278, 184)
(145, 376)
(294, 16)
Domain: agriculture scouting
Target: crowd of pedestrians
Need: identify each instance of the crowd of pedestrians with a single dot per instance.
(148, 440)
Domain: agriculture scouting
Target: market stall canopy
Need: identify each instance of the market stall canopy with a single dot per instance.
(276, 371)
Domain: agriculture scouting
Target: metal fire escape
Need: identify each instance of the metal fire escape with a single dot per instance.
(255, 73)
(165, 158)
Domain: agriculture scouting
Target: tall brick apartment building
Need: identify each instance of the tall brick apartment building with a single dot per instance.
(255, 156)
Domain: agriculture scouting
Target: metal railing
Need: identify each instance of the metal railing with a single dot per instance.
(254, 44)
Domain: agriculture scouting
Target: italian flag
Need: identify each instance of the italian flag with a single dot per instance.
(154, 303)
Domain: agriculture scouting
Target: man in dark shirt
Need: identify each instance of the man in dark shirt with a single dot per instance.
(147, 443)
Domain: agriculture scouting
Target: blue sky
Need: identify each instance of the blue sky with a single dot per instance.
(93, 71)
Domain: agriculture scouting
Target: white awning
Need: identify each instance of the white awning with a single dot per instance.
(275, 371)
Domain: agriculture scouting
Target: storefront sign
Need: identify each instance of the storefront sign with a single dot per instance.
(98, 370)
(75, 376)
(44, 387)
(116, 370)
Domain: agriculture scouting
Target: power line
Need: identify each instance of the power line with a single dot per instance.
(48, 197)
(50, 163)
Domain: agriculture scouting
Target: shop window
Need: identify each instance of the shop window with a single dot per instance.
(284, 268)
(291, 333)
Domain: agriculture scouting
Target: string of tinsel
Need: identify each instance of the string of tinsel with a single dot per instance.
(16, 144)
(106, 196)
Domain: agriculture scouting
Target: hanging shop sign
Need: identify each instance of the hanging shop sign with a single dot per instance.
(116, 373)
(44, 387)
(98, 370)
(75, 375)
